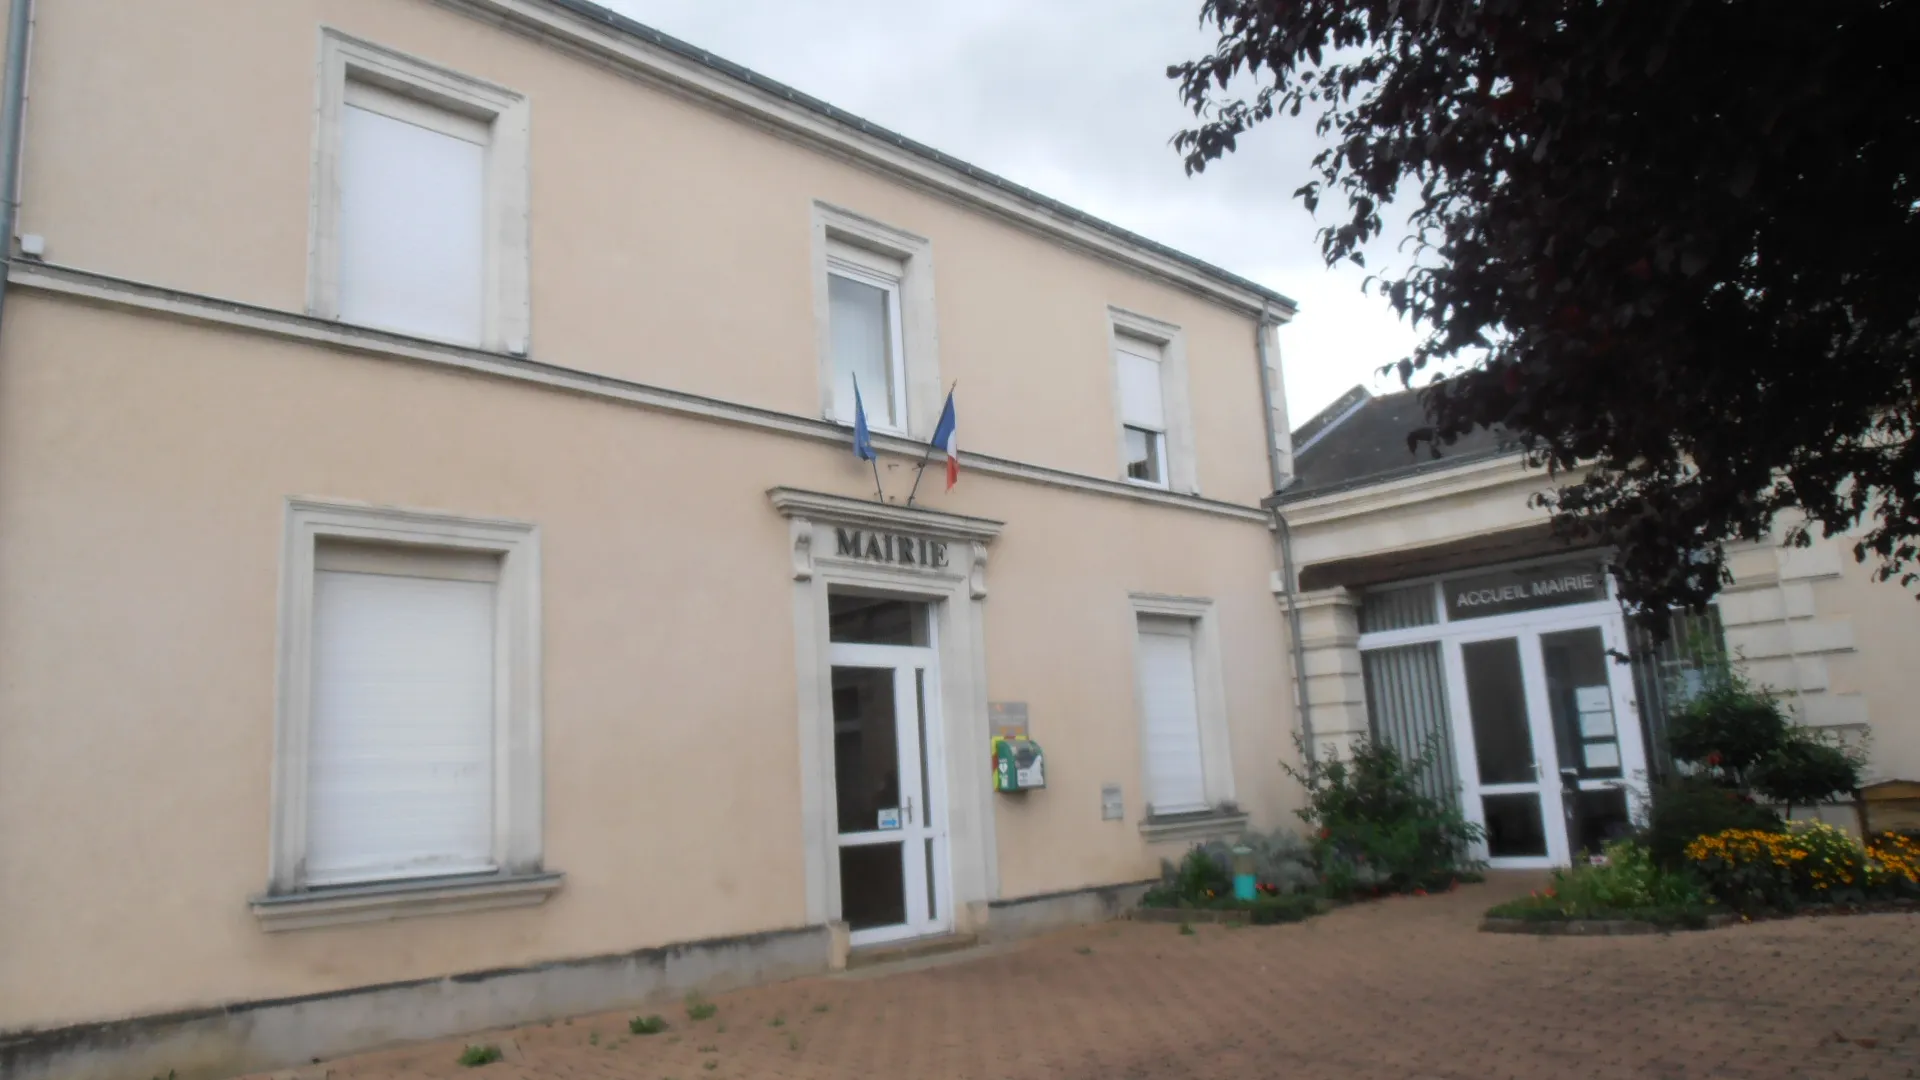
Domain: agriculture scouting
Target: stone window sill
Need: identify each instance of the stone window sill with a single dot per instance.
(401, 900)
(1210, 825)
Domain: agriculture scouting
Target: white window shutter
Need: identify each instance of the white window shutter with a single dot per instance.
(1142, 401)
(1176, 779)
(400, 765)
(412, 222)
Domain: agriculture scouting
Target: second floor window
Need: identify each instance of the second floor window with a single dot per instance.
(1143, 411)
(863, 291)
(420, 200)
(412, 216)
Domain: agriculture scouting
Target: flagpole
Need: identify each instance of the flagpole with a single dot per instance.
(928, 456)
(878, 495)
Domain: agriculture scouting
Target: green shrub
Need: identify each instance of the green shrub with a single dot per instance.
(1806, 769)
(1375, 829)
(475, 1056)
(1627, 884)
(647, 1025)
(1196, 880)
(1282, 908)
(1728, 727)
(698, 1008)
(1685, 808)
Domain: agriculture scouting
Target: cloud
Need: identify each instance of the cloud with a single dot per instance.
(1070, 98)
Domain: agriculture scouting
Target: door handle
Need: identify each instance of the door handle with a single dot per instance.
(909, 809)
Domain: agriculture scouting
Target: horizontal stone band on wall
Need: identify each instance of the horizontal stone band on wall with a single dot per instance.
(251, 1036)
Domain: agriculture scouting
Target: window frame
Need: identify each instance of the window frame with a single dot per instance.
(841, 262)
(1216, 744)
(506, 303)
(517, 765)
(1156, 454)
(1177, 468)
(868, 251)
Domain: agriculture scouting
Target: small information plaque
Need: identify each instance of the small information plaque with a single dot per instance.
(1008, 719)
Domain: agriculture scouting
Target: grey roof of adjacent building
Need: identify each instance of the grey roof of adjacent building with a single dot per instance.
(1361, 439)
(616, 21)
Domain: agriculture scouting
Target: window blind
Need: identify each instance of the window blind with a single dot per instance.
(1142, 403)
(1175, 777)
(402, 727)
(412, 218)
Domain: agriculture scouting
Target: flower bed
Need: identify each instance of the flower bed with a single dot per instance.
(1624, 892)
(1375, 833)
(1265, 910)
(1733, 874)
(1760, 871)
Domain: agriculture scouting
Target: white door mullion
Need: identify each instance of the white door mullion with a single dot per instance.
(913, 813)
(1546, 748)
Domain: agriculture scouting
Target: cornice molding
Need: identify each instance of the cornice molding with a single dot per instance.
(820, 506)
(105, 290)
(689, 72)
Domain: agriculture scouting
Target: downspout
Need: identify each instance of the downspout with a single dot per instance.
(1281, 480)
(12, 116)
(1293, 631)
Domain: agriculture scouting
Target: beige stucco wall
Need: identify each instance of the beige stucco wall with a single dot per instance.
(171, 141)
(144, 465)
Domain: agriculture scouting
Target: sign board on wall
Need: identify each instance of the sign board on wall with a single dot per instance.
(1007, 719)
(1504, 591)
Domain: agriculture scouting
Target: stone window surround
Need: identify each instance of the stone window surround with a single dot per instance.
(508, 304)
(1216, 746)
(833, 227)
(521, 880)
(1181, 472)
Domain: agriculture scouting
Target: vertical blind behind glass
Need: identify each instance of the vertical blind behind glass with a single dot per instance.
(1398, 609)
(1407, 710)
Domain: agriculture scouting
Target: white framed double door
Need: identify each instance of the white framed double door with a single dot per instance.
(890, 792)
(1547, 740)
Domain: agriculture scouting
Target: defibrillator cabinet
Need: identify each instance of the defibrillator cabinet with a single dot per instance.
(1018, 764)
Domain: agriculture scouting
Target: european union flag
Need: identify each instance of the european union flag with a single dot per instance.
(862, 441)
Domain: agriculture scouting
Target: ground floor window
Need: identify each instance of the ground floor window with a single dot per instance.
(408, 741)
(1176, 776)
(400, 751)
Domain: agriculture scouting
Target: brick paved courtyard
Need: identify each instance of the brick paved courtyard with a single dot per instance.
(1405, 988)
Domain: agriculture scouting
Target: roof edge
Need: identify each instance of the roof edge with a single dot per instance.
(1227, 285)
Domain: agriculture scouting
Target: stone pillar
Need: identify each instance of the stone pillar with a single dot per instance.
(1336, 695)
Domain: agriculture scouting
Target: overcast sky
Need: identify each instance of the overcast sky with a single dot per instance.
(1070, 98)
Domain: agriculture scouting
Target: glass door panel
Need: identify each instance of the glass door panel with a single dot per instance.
(1594, 732)
(1514, 797)
(1497, 702)
(888, 792)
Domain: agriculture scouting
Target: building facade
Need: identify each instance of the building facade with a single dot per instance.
(1437, 612)
(438, 587)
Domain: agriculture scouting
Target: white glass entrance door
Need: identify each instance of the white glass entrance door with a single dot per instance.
(1509, 791)
(1546, 742)
(889, 792)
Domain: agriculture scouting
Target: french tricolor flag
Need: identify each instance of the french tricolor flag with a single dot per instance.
(943, 438)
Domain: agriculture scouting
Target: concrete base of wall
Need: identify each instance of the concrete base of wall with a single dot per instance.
(206, 1044)
(1026, 916)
